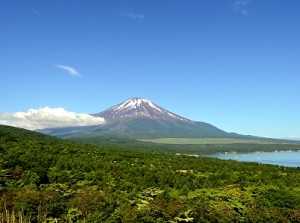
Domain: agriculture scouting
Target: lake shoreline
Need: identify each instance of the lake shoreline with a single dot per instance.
(283, 158)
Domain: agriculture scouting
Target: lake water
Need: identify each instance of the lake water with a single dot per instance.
(290, 159)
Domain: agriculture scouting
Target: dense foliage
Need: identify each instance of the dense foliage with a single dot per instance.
(44, 179)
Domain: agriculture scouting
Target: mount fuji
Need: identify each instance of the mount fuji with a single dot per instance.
(138, 107)
(139, 118)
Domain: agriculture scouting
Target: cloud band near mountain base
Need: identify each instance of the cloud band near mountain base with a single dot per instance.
(48, 117)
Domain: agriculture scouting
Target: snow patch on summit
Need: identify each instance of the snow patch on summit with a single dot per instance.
(132, 103)
(138, 107)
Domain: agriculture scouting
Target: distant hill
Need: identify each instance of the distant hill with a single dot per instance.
(139, 118)
(16, 134)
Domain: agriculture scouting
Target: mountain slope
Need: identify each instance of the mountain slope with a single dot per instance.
(139, 118)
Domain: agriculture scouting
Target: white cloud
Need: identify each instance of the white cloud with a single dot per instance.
(241, 6)
(3, 122)
(71, 70)
(48, 117)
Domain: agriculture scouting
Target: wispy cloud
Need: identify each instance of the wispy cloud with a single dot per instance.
(241, 6)
(35, 11)
(71, 70)
(48, 117)
(134, 16)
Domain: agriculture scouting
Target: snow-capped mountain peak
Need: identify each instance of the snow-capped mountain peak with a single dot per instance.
(133, 103)
(138, 107)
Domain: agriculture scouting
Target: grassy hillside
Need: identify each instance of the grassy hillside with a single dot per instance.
(221, 141)
(200, 146)
(44, 179)
(7, 132)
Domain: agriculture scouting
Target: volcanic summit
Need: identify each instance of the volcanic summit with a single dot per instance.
(138, 107)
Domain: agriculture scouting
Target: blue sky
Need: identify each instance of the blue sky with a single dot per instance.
(232, 63)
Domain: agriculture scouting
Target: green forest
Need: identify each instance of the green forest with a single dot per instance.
(46, 179)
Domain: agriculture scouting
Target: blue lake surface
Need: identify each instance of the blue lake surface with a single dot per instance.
(290, 159)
